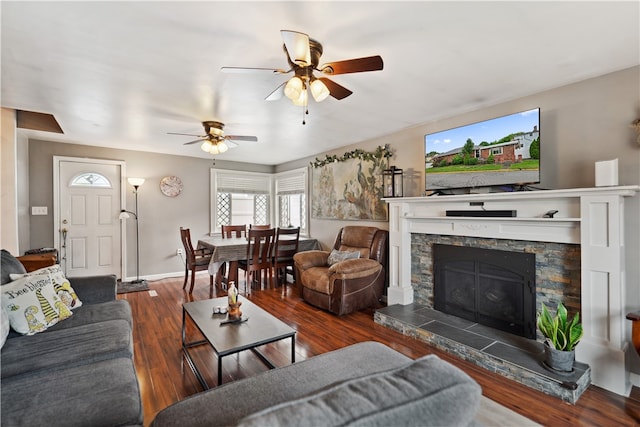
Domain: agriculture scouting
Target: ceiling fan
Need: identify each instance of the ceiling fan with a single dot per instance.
(215, 141)
(303, 56)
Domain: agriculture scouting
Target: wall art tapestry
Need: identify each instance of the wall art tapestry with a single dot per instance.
(350, 187)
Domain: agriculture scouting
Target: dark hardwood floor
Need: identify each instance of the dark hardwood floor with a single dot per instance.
(165, 378)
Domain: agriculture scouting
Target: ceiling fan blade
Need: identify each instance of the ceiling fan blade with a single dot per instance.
(195, 141)
(252, 70)
(186, 134)
(336, 90)
(241, 138)
(357, 65)
(230, 144)
(276, 94)
(297, 45)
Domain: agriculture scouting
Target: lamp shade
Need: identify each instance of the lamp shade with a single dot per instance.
(302, 99)
(293, 88)
(222, 147)
(124, 215)
(206, 146)
(136, 182)
(319, 90)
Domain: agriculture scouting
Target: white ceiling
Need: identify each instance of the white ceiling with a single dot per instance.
(123, 74)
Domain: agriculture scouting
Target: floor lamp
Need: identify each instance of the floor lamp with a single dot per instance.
(124, 214)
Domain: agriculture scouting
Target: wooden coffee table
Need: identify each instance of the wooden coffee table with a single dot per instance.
(260, 328)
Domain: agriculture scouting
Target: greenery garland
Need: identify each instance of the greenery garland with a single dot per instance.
(355, 154)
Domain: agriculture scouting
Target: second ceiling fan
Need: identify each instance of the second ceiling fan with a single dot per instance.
(214, 140)
(303, 56)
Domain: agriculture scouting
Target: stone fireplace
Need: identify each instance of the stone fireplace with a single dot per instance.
(580, 257)
(556, 269)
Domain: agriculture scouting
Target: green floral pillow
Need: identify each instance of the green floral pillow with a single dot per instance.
(32, 304)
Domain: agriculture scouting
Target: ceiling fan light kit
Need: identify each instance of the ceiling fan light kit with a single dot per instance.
(303, 56)
(214, 148)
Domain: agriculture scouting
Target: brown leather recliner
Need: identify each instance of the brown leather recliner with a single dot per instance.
(348, 285)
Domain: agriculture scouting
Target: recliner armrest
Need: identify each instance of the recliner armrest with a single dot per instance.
(307, 259)
(355, 266)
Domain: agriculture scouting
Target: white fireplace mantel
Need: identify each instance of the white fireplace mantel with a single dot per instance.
(591, 217)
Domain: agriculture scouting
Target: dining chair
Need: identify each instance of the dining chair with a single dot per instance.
(196, 260)
(229, 231)
(259, 227)
(285, 247)
(258, 260)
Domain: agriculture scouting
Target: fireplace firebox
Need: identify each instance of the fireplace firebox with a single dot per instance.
(492, 287)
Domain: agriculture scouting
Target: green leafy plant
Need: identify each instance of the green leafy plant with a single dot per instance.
(561, 333)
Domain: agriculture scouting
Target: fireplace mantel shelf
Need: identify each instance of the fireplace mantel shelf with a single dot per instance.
(625, 190)
(594, 218)
(501, 219)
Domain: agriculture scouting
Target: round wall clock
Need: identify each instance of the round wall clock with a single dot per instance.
(171, 186)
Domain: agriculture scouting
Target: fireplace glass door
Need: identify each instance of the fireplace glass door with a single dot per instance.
(491, 287)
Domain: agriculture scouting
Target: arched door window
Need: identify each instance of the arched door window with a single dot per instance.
(91, 179)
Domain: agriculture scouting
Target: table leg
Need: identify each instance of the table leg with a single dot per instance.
(293, 349)
(233, 272)
(219, 370)
(187, 356)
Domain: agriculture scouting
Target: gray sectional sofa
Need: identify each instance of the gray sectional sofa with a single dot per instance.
(78, 372)
(365, 384)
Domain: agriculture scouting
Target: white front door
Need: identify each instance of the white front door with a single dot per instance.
(89, 200)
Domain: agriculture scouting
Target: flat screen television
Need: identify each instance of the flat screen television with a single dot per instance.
(500, 152)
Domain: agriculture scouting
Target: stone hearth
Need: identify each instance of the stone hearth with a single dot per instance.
(513, 357)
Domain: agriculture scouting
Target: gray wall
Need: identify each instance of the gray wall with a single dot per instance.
(580, 124)
(160, 216)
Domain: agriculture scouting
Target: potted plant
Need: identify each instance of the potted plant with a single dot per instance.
(562, 335)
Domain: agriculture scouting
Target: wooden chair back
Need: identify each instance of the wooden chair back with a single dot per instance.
(259, 256)
(229, 231)
(285, 247)
(189, 254)
(286, 244)
(260, 248)
(259, 227)
(195, 260)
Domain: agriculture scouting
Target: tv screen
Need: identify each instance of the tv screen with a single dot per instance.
(504, 151)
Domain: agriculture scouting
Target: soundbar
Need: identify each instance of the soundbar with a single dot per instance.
(485, 213)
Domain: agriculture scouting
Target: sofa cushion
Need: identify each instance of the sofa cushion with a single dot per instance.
(61, 284)
(317, 279)
(227, 404)
(67, 347)
(104, 393)
(32, 304)
(336, 256)
(95, 313)
(9, 264)
(427, 392)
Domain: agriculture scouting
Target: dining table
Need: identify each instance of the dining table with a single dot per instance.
(233, 249)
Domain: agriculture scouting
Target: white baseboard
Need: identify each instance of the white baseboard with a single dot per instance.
(179, 274)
